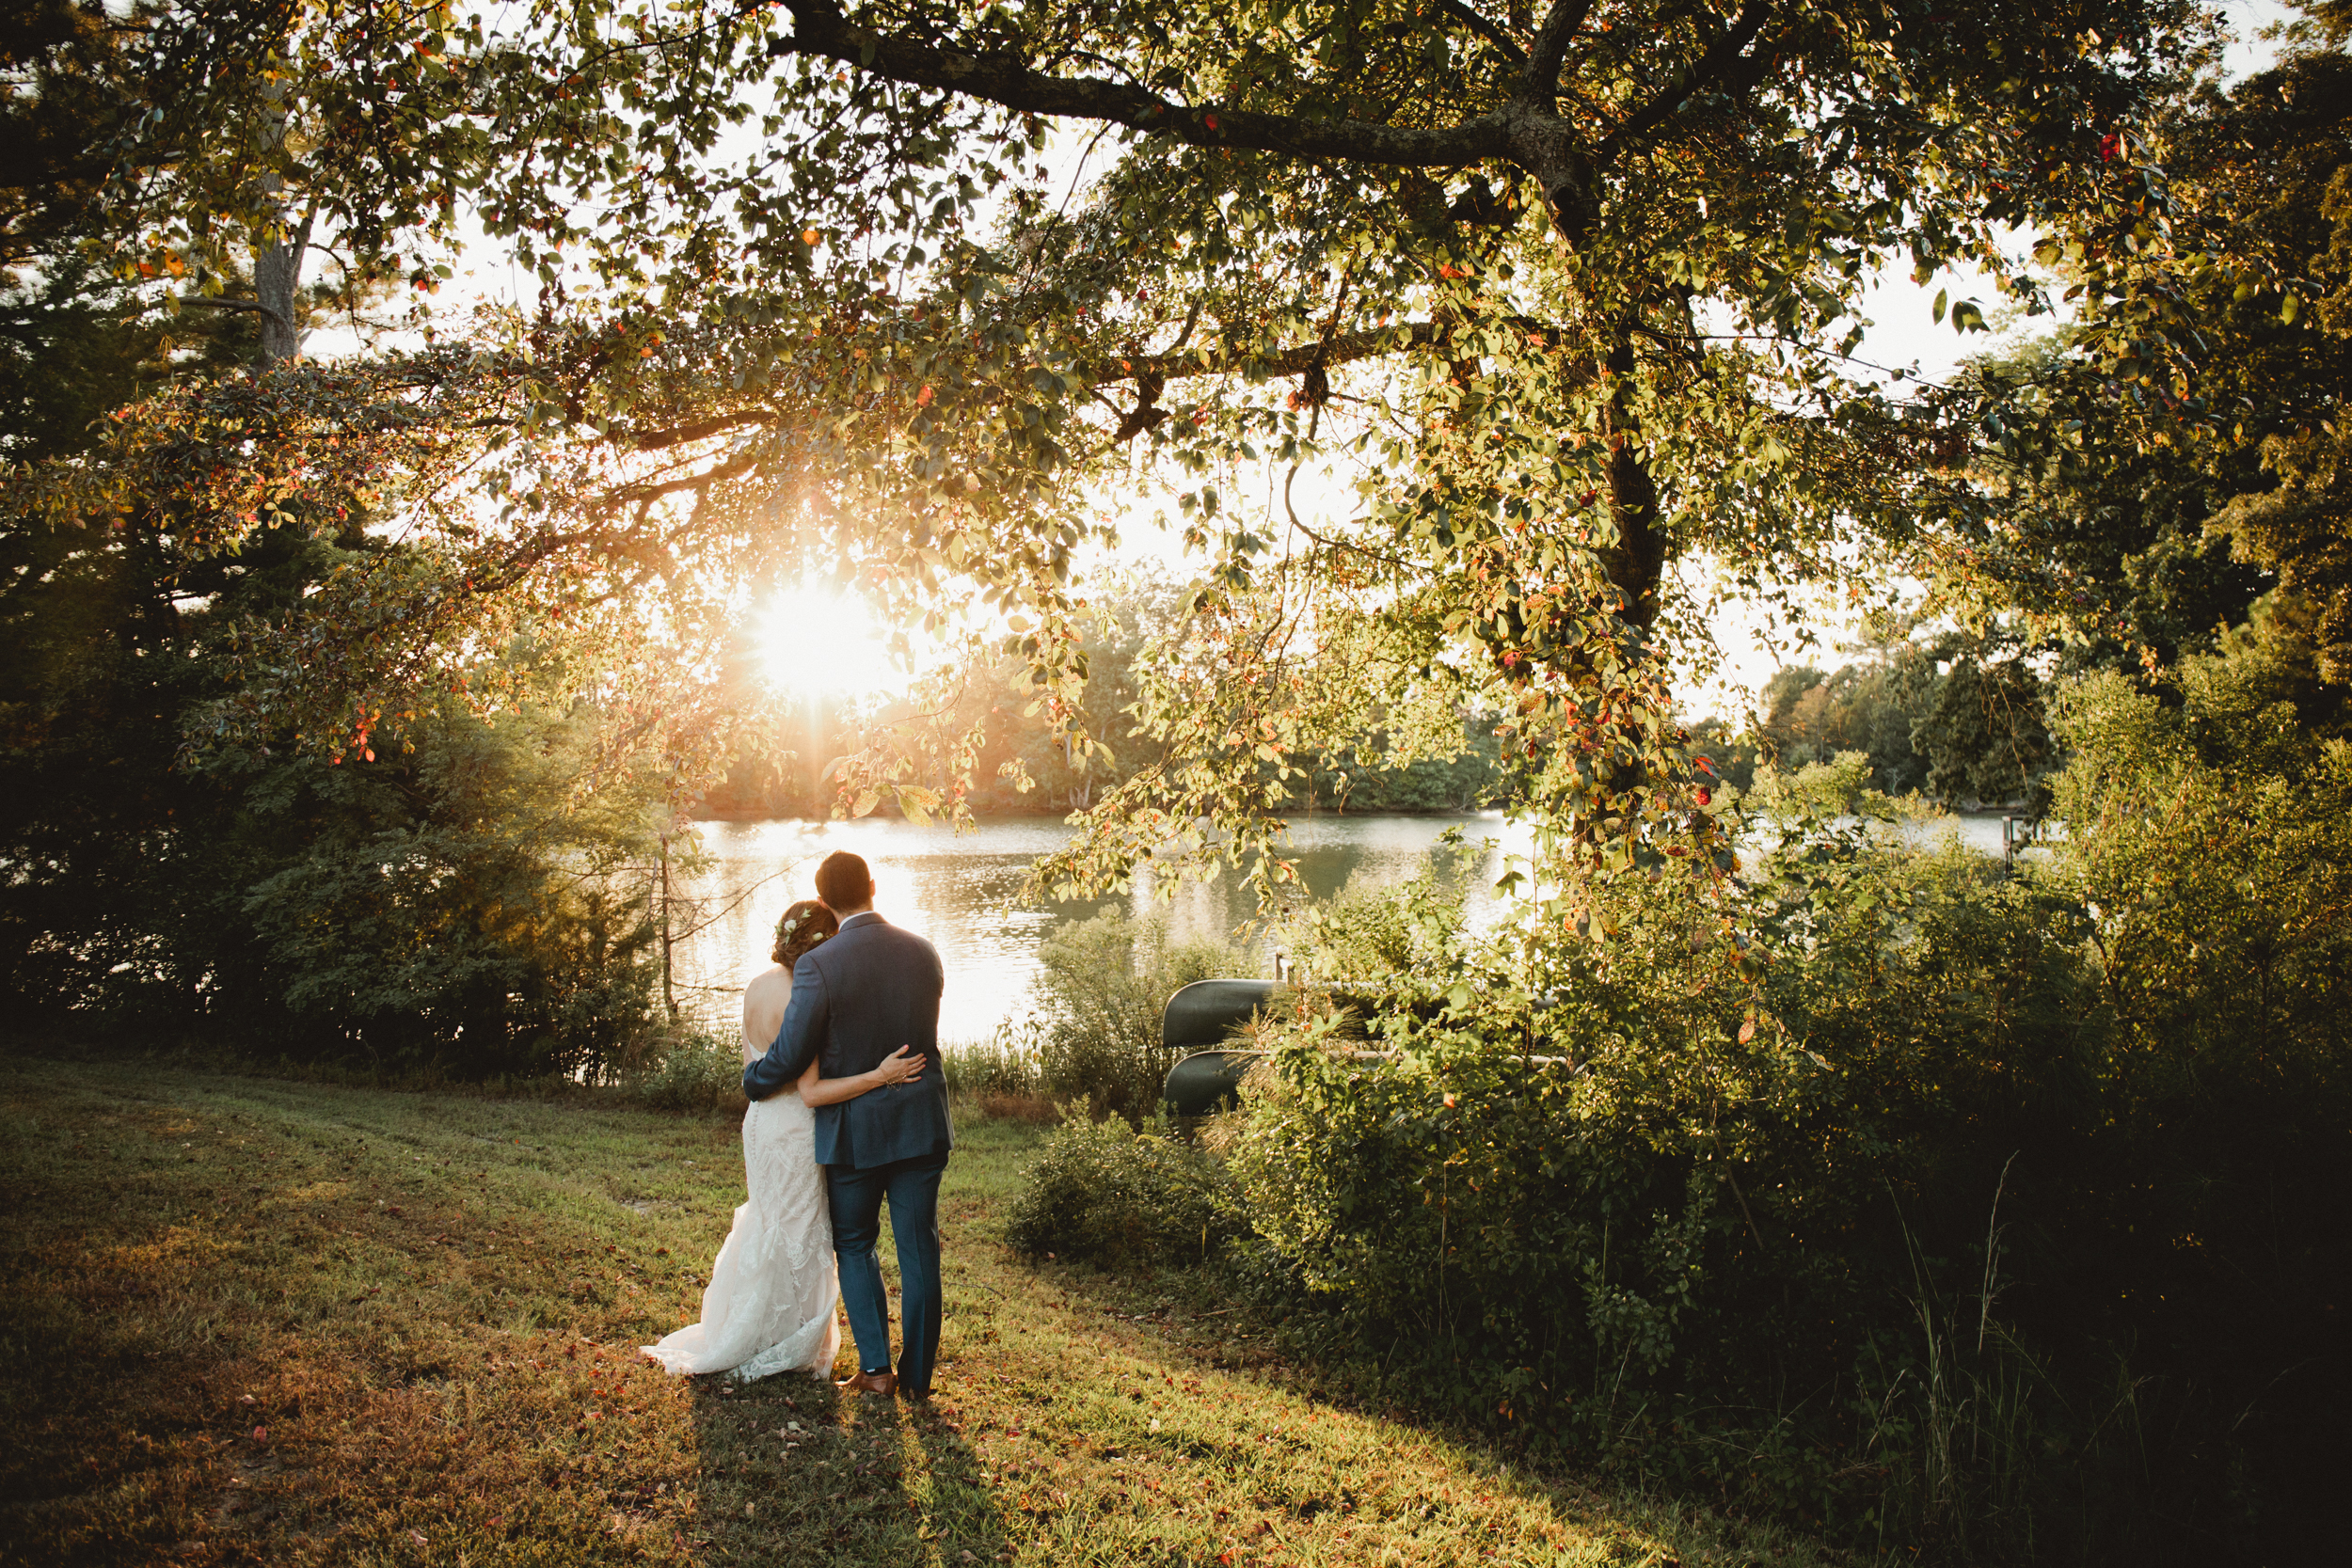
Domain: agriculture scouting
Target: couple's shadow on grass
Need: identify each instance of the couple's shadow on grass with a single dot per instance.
(792, 1471)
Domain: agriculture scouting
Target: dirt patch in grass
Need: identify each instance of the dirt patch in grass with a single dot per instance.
(250, 1320)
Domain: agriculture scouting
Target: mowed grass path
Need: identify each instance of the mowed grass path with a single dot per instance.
(244, 1320)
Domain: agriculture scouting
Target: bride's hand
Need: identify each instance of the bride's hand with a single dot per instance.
(901, 1067)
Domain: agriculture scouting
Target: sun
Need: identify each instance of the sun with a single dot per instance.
(822, 644)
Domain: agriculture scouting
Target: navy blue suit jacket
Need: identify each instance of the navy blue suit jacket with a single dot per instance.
(856, 998)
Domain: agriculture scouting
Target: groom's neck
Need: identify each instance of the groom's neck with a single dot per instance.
(861, 909)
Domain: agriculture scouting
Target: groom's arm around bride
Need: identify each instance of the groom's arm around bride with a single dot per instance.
(856, 999)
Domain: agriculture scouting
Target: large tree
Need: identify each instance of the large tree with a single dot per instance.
(1540, 306)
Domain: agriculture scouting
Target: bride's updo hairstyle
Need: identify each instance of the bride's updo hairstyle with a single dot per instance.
(803, 926)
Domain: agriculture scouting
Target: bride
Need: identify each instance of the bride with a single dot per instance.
(769, 1307)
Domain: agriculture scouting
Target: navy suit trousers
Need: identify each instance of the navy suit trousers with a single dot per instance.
(911, 1189)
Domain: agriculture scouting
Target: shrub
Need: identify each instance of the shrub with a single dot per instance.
(1103, 1191)
(1937, 1208)
(1103, 984)
(1371, 932)
(696, 1071)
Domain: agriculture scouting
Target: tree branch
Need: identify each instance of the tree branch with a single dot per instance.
(1331, 543)
(741, 463)
(1151, 372)
(1720, 56)
(695, 430)
(237, 305)
(1541, 82)
(1337, 350)
(820, 29)
(1491, 31)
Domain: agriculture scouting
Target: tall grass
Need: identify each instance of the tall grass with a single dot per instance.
(1979, 1446)
(999, 1077)
(1094, 1030)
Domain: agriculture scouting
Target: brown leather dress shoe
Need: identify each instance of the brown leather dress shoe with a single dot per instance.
(884, 1384)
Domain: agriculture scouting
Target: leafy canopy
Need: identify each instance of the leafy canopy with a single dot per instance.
(1540, 306)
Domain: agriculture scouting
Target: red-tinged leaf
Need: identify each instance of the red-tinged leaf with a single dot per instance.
(1747, 1031)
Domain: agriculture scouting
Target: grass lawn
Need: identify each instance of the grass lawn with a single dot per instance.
(245, 1320)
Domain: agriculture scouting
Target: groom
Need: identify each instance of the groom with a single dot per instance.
(856, 999)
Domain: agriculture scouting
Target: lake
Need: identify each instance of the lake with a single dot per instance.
(958, 889)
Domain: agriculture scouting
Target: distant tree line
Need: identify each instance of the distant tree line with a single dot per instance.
(1957, 725)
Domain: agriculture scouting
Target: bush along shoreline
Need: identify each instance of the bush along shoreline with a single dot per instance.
(1940, 1211)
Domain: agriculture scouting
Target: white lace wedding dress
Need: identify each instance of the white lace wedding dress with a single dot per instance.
(769, 1304)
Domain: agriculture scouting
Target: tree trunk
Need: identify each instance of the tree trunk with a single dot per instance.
(817, 756)
(277, 277)
(669, 999)
(1638, 559)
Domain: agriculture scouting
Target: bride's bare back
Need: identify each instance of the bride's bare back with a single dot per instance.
(764, 1001)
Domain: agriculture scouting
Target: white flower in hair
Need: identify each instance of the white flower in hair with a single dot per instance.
(792, 924)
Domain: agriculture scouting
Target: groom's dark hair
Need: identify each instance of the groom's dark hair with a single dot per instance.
(843, 881)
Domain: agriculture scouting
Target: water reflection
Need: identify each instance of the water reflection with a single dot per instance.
(957, 890)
